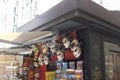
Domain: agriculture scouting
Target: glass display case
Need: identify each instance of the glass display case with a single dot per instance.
(11, 67)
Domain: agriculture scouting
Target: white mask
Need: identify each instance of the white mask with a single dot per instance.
(76, 51)
(66, 42)
(46, 60)
(36, 64)
(60, 55)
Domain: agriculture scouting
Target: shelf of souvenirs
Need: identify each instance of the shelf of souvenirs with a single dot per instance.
(69, 74)
(72, 70)
(69, 70)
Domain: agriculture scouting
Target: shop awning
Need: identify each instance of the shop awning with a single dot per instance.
(22, 37)
(19, 39)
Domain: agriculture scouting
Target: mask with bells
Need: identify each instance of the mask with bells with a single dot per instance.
(60, 55)
(75, 48)
(66, 42)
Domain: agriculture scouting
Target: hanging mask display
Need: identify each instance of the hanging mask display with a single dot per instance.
(76, 50)
(60, 55)
(45, 59)
(36, 51)
(52, 46)
(74, 42)
(40, 60)
(72, 47)
(66, 42)
(44, 48)
(48, 53)
(36, 64)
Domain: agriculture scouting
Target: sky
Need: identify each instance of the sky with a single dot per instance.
(113, 5)
(43, 6)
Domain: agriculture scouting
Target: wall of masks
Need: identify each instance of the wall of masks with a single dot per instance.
(52, 59)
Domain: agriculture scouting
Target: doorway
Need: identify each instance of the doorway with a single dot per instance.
(112, 61)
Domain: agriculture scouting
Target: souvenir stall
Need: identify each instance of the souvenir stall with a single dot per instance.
(84, 32)
(59, 59)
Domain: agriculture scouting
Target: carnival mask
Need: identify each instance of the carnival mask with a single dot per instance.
(40, 60)
(35, 50)
(66, 42)
(75, 48)
(74, 42)
(46, 60)
(52, 45)
(60, 55)
(44, 48)
(36, 64)
(76, 51)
